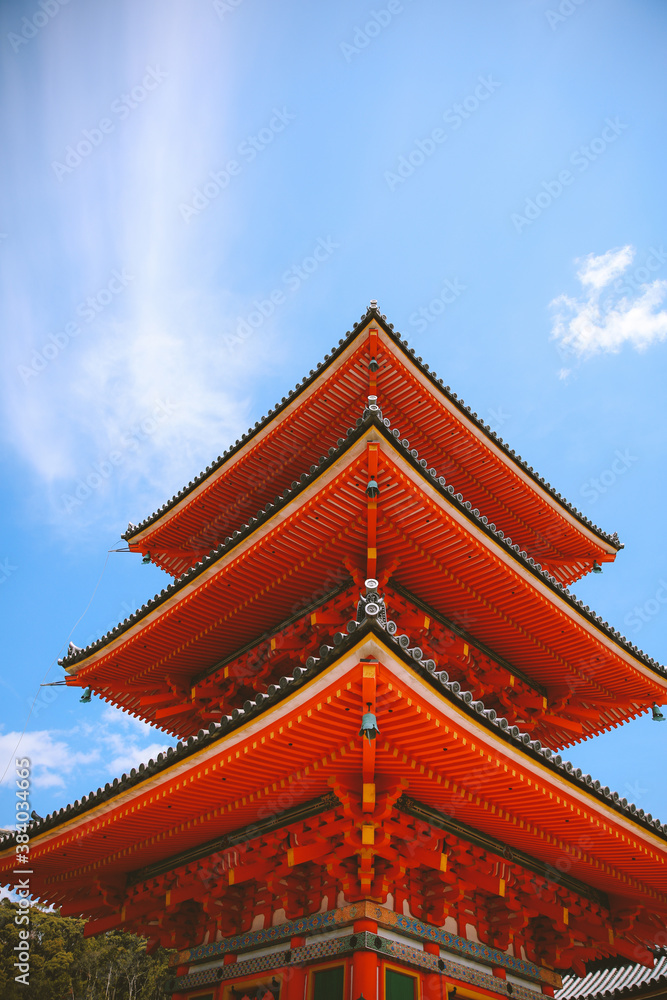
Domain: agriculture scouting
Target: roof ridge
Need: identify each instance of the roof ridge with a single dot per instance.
(413, 655)
(372, 414)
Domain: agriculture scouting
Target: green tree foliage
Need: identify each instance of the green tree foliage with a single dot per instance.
(66, 966)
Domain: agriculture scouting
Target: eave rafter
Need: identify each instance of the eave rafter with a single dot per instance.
(563, 850)
(540, 538)
(314, 416)
(430, 546)
(296, 785)
(285, 745)
(477, 594)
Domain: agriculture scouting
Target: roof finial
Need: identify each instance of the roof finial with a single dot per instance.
(374, 303)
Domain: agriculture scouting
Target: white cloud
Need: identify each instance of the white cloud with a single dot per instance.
(114, 744)
(599, 271)
(52, 758)
(612, 312)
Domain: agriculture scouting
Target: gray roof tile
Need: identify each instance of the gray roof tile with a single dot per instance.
(617, 981)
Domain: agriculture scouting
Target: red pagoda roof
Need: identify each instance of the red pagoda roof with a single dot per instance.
(381, 589)
(430, 542)
(315, 417)
(454, 757)
(288, 686)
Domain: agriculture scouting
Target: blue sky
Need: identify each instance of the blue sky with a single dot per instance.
(492, 172)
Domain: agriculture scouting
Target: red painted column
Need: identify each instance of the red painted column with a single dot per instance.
(294, 977)
(181, 970)
(365, 965)
(373, 351)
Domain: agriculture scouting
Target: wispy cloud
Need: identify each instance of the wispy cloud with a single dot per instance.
(71, 399)
(124, 741)
(612, 311)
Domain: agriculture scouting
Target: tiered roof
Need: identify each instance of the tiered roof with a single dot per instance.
(318, 412)
(264, 648)
(283, 691)
(448, 756)
(433, 544)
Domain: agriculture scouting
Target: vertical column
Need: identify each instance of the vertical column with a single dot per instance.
(368, 691)
(366, 870)
(372, 452)
(181, 970)
(365, 965)
(373, 351)
(294, 977)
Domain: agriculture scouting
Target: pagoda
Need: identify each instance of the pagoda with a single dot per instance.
(371, 662)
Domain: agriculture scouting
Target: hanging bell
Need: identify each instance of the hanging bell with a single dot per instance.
(86, 696)
(369, 725)
(657, 714)
(596, 567)
(372, 490)
(146, 559)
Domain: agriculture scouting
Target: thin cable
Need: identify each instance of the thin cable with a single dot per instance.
(53, 661)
